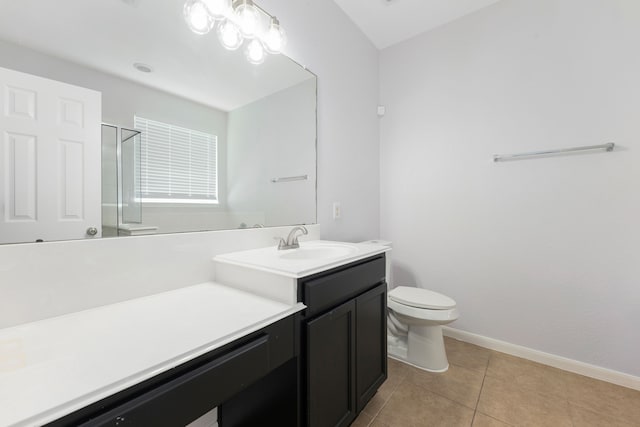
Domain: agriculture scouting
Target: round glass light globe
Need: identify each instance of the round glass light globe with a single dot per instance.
(229, 35)
(255, 52)
(197, 17)
(275, 38)
(248, 19)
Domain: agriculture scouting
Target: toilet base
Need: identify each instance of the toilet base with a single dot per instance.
(404, 360)
(423, 348)
(397, 347)
(426, 348)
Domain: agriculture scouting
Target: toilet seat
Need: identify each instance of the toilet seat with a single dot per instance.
(421, 298)
(438, 316)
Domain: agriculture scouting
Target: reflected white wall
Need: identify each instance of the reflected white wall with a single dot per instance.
(322, 38)
(271, 138)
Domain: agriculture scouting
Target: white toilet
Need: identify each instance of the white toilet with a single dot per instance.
(414, 323)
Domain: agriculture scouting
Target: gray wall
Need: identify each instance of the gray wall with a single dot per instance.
(541, 253)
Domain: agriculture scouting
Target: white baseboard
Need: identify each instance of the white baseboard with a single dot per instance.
(559, 362)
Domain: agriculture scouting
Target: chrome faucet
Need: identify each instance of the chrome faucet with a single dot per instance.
(292, 238)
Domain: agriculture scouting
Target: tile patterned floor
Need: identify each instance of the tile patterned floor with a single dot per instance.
(484, 388)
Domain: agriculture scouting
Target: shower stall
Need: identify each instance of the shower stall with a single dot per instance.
(121, 201)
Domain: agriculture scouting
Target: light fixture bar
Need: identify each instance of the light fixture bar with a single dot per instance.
(237, 21)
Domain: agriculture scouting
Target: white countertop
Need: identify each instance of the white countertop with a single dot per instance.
(272, 260)
(56, 366)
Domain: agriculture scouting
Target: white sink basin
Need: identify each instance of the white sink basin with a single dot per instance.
(274, 274)
(311, 257)
(319, 252)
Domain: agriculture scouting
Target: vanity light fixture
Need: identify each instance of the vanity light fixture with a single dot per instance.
(237, 21)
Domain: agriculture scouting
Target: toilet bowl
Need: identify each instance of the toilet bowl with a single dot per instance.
(414, 323)
(424, 312)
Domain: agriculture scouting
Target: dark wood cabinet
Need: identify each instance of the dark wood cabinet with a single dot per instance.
(371, 344)
(344, 340)
(331, 367)
(184, 393)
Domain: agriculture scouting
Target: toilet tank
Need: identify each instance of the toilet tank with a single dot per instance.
(387, 268)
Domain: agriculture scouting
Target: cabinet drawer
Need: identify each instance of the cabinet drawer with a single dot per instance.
(324, 291)
(180, 395)
(192, 394)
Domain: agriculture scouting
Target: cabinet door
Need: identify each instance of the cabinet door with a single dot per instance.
(331, 367)
(371, 343)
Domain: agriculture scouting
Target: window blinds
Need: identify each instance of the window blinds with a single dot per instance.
(177, 164)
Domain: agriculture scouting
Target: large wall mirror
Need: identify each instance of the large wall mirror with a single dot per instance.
(118, 120)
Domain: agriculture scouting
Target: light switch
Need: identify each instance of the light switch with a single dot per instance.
(337, 210)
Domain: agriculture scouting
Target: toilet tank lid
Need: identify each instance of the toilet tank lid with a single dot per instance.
(421, 298)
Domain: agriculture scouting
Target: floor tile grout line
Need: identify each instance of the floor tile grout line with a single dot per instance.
(442, 395)
(493, 417)
(475, 409)
(387, 400)
(486, 369)
(370, 422)
(570, 413)
(446, 397)
(566, 399)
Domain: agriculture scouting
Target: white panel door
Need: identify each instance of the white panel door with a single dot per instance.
(49, 159)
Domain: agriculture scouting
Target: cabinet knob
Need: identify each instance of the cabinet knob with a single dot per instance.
(92, 231)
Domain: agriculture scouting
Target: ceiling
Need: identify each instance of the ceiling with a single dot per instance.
(112, 35)
(387, 22)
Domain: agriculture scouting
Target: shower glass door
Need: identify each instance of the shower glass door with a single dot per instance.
(130, 164)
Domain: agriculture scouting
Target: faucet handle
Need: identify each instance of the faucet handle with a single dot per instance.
(281, 242)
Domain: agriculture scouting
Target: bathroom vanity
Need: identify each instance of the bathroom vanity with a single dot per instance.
(292, 338)
(343, 344)
(344, 340)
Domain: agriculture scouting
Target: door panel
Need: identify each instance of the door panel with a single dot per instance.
(21, 152)
(72, 177)
(49, 159)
